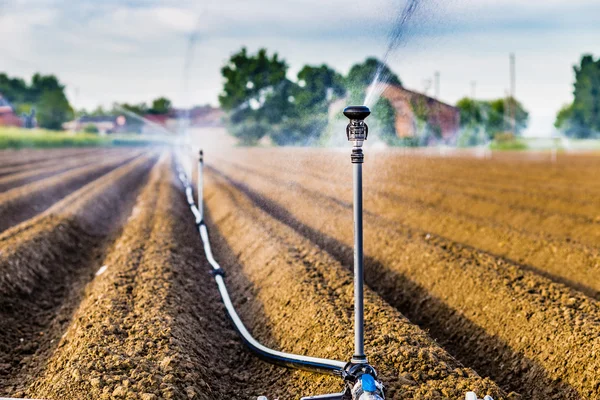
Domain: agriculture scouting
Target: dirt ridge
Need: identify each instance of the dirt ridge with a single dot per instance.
(529, 320)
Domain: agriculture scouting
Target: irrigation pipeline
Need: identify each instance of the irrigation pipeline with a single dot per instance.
(296, 361)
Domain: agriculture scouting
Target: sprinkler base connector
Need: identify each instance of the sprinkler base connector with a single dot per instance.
(218, 271)
(357, 156)
(359, 360)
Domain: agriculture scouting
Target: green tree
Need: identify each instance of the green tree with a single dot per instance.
(564, 117)
(53, 109)
(498, 119)
(41, 84)
(45, 94)
(306, 117)
(256, 93)
(318, 86)
(250, 78)
(362, 75)
(14, 90)
(471, 112)
(582, 118)
(493, 116)
(160, 106)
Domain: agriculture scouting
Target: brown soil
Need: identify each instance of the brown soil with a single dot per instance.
(152, 326)
(306, 298)
(46, 262)
(26, 201)
(29, 157)
(506, 320)
(546, 255)
(496, 259)
(31, 173)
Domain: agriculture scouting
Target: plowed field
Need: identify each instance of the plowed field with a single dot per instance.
(481, 275)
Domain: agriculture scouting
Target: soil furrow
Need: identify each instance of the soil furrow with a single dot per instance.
(29, 174)
(523, 333)
(5, 171)
(558, 227)
(12, 158)
(152, 325)
(435, 174)
(570, 263)
(306, 296)
(22, 203)
(45, 264)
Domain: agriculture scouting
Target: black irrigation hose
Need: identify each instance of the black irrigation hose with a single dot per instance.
(312, 364)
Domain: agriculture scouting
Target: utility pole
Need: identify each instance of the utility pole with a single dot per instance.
(437, 85)
(507, 110)
(426, 86)
(473, 89)
(513, 100)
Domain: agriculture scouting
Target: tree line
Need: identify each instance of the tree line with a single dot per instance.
(44, 94)
(485, 120)
(158, 106)
(263, 102)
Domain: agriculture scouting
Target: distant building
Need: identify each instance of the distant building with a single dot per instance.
(103, 123)
(201, 116)
(157, 123)
(408, 104)
(206, 116)
(149, 123)
(7, 114)
(411, 106)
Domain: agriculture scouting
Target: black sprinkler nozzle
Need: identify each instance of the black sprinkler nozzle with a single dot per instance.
(357, 131)
(357, 112)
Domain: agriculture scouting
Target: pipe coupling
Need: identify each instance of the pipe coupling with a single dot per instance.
(357, 156)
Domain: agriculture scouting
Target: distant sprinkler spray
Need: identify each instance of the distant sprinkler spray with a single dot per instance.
(395, 39)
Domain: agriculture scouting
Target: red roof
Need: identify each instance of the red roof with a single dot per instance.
(9, 119)
(160, 119)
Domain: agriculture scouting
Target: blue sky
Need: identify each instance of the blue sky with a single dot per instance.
(135, 50)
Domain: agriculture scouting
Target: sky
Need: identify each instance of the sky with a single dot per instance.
(135, 50)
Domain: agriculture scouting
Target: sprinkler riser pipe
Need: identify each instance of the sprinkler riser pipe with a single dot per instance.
(359, 323)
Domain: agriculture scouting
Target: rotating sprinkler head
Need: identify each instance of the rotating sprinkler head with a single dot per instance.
(357, 130)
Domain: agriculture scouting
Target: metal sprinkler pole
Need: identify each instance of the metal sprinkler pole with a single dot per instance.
(357, 132)
(359, 320)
